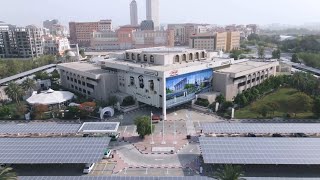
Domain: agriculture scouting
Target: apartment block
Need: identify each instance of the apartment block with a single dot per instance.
(183, 32)
(81, 32)
(55, 45)
(233, 40)
(22, 42)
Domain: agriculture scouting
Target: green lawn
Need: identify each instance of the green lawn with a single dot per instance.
(280, 95)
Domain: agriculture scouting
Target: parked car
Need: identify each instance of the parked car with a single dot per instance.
(114, 136)
(88, 168)
(251, 135)
(299, 135)
(107, 154)
(277, 135)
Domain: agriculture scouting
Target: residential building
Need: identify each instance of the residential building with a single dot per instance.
(183, 32)
(241, 76)
(127, 37)
(81, 32)
(205, 41)
(221, 41)
(152, 9)
(215, 41)
(48, 24)
(134, 13)
(55, 45)
(233, 40)
(22, 42)
(143, 39)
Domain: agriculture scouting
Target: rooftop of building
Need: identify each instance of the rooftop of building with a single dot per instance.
(169, 67)
(245, 65)
(84, 67)
(162, 50)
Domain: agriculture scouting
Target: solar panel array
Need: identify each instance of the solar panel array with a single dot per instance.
(111, 178)
(242, 150)
(52, 150)
(264, 128)
(99, 126)
(42, 128)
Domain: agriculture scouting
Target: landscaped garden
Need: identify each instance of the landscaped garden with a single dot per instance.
(284, 102)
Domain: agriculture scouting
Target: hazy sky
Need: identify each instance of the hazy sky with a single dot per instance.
(25, 12)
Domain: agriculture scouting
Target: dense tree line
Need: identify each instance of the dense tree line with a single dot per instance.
(9, 67)
(308, 85)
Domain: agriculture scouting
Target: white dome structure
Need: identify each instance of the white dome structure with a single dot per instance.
(71, 54)
(105, 110)
(50, 97)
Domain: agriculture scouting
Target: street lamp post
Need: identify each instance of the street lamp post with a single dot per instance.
(152, 142)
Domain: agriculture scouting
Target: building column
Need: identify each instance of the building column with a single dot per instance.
(164, 100)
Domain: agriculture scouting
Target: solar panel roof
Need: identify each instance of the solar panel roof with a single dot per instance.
(112, 178)
(230, 128)
(42, 128)
(242, 150)
(52, 150)
(102, 127)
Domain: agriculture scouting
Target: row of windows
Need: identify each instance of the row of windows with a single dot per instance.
(80, 82)
(80, 90)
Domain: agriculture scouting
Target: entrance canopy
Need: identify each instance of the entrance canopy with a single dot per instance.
(50, 97)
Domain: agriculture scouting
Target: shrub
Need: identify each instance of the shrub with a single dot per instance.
(202, 102)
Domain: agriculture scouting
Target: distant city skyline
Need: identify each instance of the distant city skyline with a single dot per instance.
(294, 12)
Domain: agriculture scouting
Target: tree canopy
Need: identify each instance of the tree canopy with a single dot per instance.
(144, 127)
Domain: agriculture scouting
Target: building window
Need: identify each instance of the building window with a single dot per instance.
(67, 77)
(151, 59)
(76, 87)
(127, 56)
(83, 83)
(84, 91)
(79, 82)
(89, 93)
(133, 57)
(197, 56)
(72, 86)
(145, 59)
(202, 55)
(191, 56)
(139, 57)
(80, 89)
(132, 81)
(177, 59)
(90, 86)
(151, 85)
(184, 57)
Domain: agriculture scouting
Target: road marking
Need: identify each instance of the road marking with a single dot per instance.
(146, 171)
(125, 129)
(199, 123)
(158, 159)
(191, 150)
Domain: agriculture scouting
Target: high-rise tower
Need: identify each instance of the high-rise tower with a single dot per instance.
(134, 13)
(153, 12)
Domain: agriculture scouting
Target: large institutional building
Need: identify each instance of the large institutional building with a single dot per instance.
(164, 77)
(213, 41)
(81, 32)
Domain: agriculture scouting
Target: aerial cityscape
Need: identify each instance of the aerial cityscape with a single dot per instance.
(160, 90)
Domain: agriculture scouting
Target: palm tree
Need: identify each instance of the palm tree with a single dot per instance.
(6, 173)
(28, 84)
(228, 172)
(14, 92)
